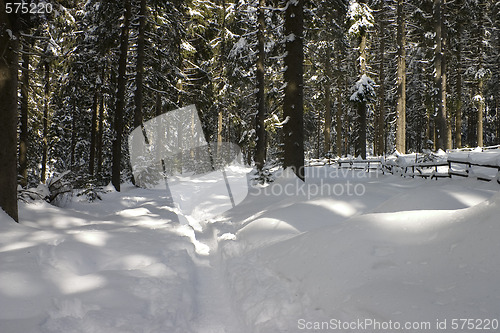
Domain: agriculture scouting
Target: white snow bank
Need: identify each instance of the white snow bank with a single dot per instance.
(290, 255)
(413, 251)
(104, 267)
(488, 157)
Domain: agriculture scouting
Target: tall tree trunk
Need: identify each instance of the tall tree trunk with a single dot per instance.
(100, 133)
(338, 114)
(480, 113)
(472, 128)
(158, 104)
(444, 86)
(93, 132)
(45, 139)
(23, 131)
(293, 103)
(361, 106)
(401, 80)
(120, 98)
(380, 112)
(442, 134)
(8, 114)
(338, 123)
(428, 133)
(497, 97)
(497, 113)
(74, 114)
(361, 140)
(458, 111)
(260, 148)
(139, 77)
(318, 134)
(328, 102)
(480, 78)
(222, 58)
(219, 128)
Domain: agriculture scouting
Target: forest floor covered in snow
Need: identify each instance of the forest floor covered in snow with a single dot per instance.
(347, 252)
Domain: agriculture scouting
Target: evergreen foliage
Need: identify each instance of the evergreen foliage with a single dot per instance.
(207, 53)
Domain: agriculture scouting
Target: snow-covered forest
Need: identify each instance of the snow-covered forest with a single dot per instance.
(301, 243)
(376, 76)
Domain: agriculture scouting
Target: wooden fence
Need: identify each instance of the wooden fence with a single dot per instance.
(445, 168)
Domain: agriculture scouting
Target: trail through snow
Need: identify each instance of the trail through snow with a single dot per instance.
(406, 250)
(122, 267)
(214, 312)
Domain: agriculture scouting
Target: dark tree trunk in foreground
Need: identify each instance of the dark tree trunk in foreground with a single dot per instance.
(260, 149)
(23, 131)
(293, 103)
(8, 115)
(120, 99)
(139, 78)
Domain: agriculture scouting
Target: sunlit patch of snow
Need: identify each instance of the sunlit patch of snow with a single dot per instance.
(95, 238)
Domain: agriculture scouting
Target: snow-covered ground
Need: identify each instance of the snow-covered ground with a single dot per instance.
(345, 252)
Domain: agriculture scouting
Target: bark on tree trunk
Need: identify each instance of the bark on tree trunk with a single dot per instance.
(219, 128)
(380, 115)
(93, 132)
(472, 128)
(361, 141)
(458, 112)
(23, 132)
(338, 123)
(120, 99)
(444, 84)
(220, 116)
(293, 103)
(480, 85)
(338, 116)
(260, 148)
(360, 149)
(480, 113)
(74, 114)
(158, 104)
(328, 103)
(8, 115)
(45, 139)
(401, 81)
(100, 134)
(440, 78)
(139, 78)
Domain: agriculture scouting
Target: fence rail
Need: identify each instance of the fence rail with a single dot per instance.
(360, 164)
(446, 168)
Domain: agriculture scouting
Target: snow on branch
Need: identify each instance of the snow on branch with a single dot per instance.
(360, 17)
(364, 90)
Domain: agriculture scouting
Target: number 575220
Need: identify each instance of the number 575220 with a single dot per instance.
(25, 8)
